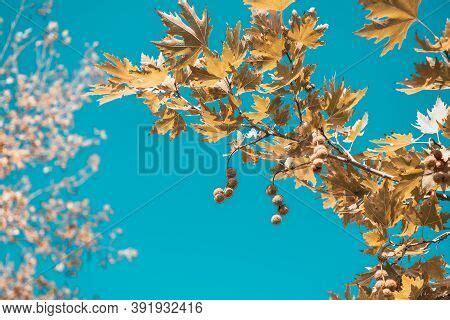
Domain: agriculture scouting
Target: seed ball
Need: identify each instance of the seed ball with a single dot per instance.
(277, 200)
(232, 183)
(391, 284)
(271, 190)
(319, 148)
(217, 191)
(318, 163)
(231, 173)
(437, 154)
(439, 177)
(380, 274)
(283, 210)
(228, 192)
(319, 139)
(387, 292)
(447, 178)
(382, 257)
(430, 162)
(322, 154)
(316, 169)
(380, 284)
(439, 164)
(276, 219)
(219, 198)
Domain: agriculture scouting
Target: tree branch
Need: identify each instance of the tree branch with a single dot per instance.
(362, 166)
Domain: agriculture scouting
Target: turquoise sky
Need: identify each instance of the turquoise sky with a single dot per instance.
(189, 247)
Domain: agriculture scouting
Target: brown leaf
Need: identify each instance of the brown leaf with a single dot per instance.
(305, 31)
(389, 19)
(431, 75)
(441, 45)
(185, 40)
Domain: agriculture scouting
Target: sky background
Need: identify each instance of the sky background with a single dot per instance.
(189, 247)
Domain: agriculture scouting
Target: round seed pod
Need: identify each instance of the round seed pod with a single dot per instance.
(276, 219)
(319, 148)
(219, 198)
(319, 139)
(271, 190)
(382, 257)
(437, 154)
(217, 191)
(283, 210)
(232, 183)
(228, 192)
(391, 284)
(387, 292)
(430, 162)
(318, 163)
(440, 164)
(439, 177)
(380, 274)
(322, 154)
(231, 173)
(380, 284)
(316, 169)
(447, 178)
(277, 200)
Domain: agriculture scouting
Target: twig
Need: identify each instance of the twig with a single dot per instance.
(362, 166)
(244, 146)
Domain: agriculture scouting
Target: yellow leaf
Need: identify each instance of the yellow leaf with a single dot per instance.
(304, 30)
(123, 72)
(394, 142)
(261, 106)
(357, 129)
(216, 126)
(170, 121)
(276, 5)
(267, 51)
(389, 19)
(410, 288)
(110, 92)
(374, 238)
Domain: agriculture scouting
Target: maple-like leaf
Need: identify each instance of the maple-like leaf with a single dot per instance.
(357, 129)
(170, 120)
(442, 44)
(305, 31)
(185, 41)
(266, 40)
(261, 107)
(431, 75)
(433, 268)
(214, 70)
(339, 102)
(428, 215)
(110, 92)
(375, 239)
(381, 207)
(216, 126)
(430, 123)
(410, 288)
(389, 19)
(126, 79)
(394, 142)
(246, 80)
(276, 5)
(287, 74)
